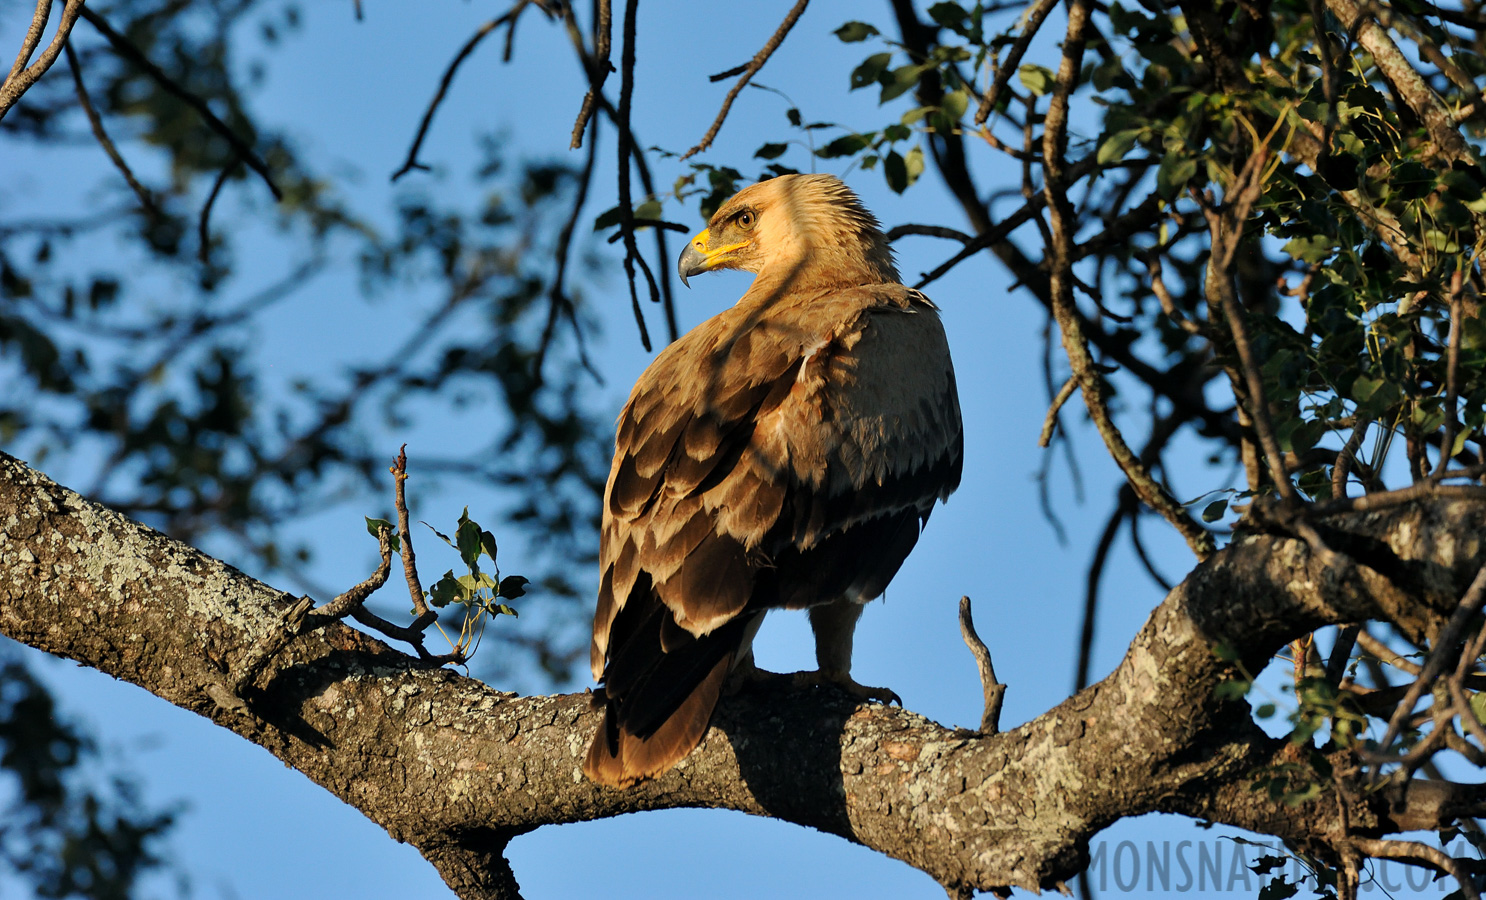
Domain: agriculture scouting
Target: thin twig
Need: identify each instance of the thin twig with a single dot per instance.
(1341, 469)
(597, 66)
(125, 48)
(1452, 371)
(1439, 656)
(1145, 559)
(425, 616)
(1341, 653)
(993, 691)
(39, 18)
(1384, 653)
(509, 17)
(558, 302)
(751, 70)
(1226, 228)
(1168, 303)
(1075, 343)
(937, 231)
(626, 150)
(95, 121)
(1035, 17)
(1051, 421)
(303, 616)
(21, 75)
(1125, 505)
(203, 222)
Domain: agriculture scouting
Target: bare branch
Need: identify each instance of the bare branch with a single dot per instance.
(425, 616)
(993, 690)
(1051, 421)
(1033, 23)
(203, 222)
(96, 122)
(751, 70)
(125, 48)
(507, 18)
(21, 75)
(1061, 256)
(1452, 373)
(597, 67)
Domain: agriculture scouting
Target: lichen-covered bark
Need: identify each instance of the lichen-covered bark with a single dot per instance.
(457, 768)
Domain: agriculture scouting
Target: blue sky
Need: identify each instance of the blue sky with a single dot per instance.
(351, 94)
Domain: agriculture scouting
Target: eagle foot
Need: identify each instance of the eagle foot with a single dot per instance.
(843, 681)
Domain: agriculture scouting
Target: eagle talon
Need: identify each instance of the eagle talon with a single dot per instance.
(859, 692)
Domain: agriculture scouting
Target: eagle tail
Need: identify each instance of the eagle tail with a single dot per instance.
(620, 758)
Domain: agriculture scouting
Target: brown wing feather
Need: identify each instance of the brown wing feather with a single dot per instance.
(760, 463)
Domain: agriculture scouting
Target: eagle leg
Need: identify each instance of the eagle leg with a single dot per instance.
(835, 625)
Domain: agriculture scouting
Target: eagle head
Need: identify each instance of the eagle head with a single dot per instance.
(785, 223)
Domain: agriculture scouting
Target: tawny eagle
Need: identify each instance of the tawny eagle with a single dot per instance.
(783, 454)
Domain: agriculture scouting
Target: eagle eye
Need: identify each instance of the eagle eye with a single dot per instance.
(745, 219)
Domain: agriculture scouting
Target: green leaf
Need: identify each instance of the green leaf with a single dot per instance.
(771, 151)
(513, 586)
(950, 15)
(606, 219)
(846, 146)
(1174, 173)
(914, 164)
(1314, 249)
(895, 170)
(870, 70)
(487, 543)
(1117, 145)
(794, 116)
(375, 525)
(1264, 711)
(1037, 79)
(900, 81)
(853, 32)
(447, 590)
(1280, 888)
(954, 104)
(1478, 706)
(1215, 510)
(468, 542)
(1232, 690)
(650, 209)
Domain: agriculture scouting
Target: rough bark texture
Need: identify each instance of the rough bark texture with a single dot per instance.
(457, 769)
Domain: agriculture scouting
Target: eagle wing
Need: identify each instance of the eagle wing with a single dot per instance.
(776, 457)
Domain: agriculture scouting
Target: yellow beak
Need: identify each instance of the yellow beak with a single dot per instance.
(698, 257)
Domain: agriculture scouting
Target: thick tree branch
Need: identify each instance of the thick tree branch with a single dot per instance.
(457, 768)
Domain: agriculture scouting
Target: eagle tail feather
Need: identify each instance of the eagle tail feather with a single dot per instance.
(619, 758)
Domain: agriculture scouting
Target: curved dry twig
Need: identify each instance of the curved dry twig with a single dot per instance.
(95, 121)
(507, 18)
(750, 70)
